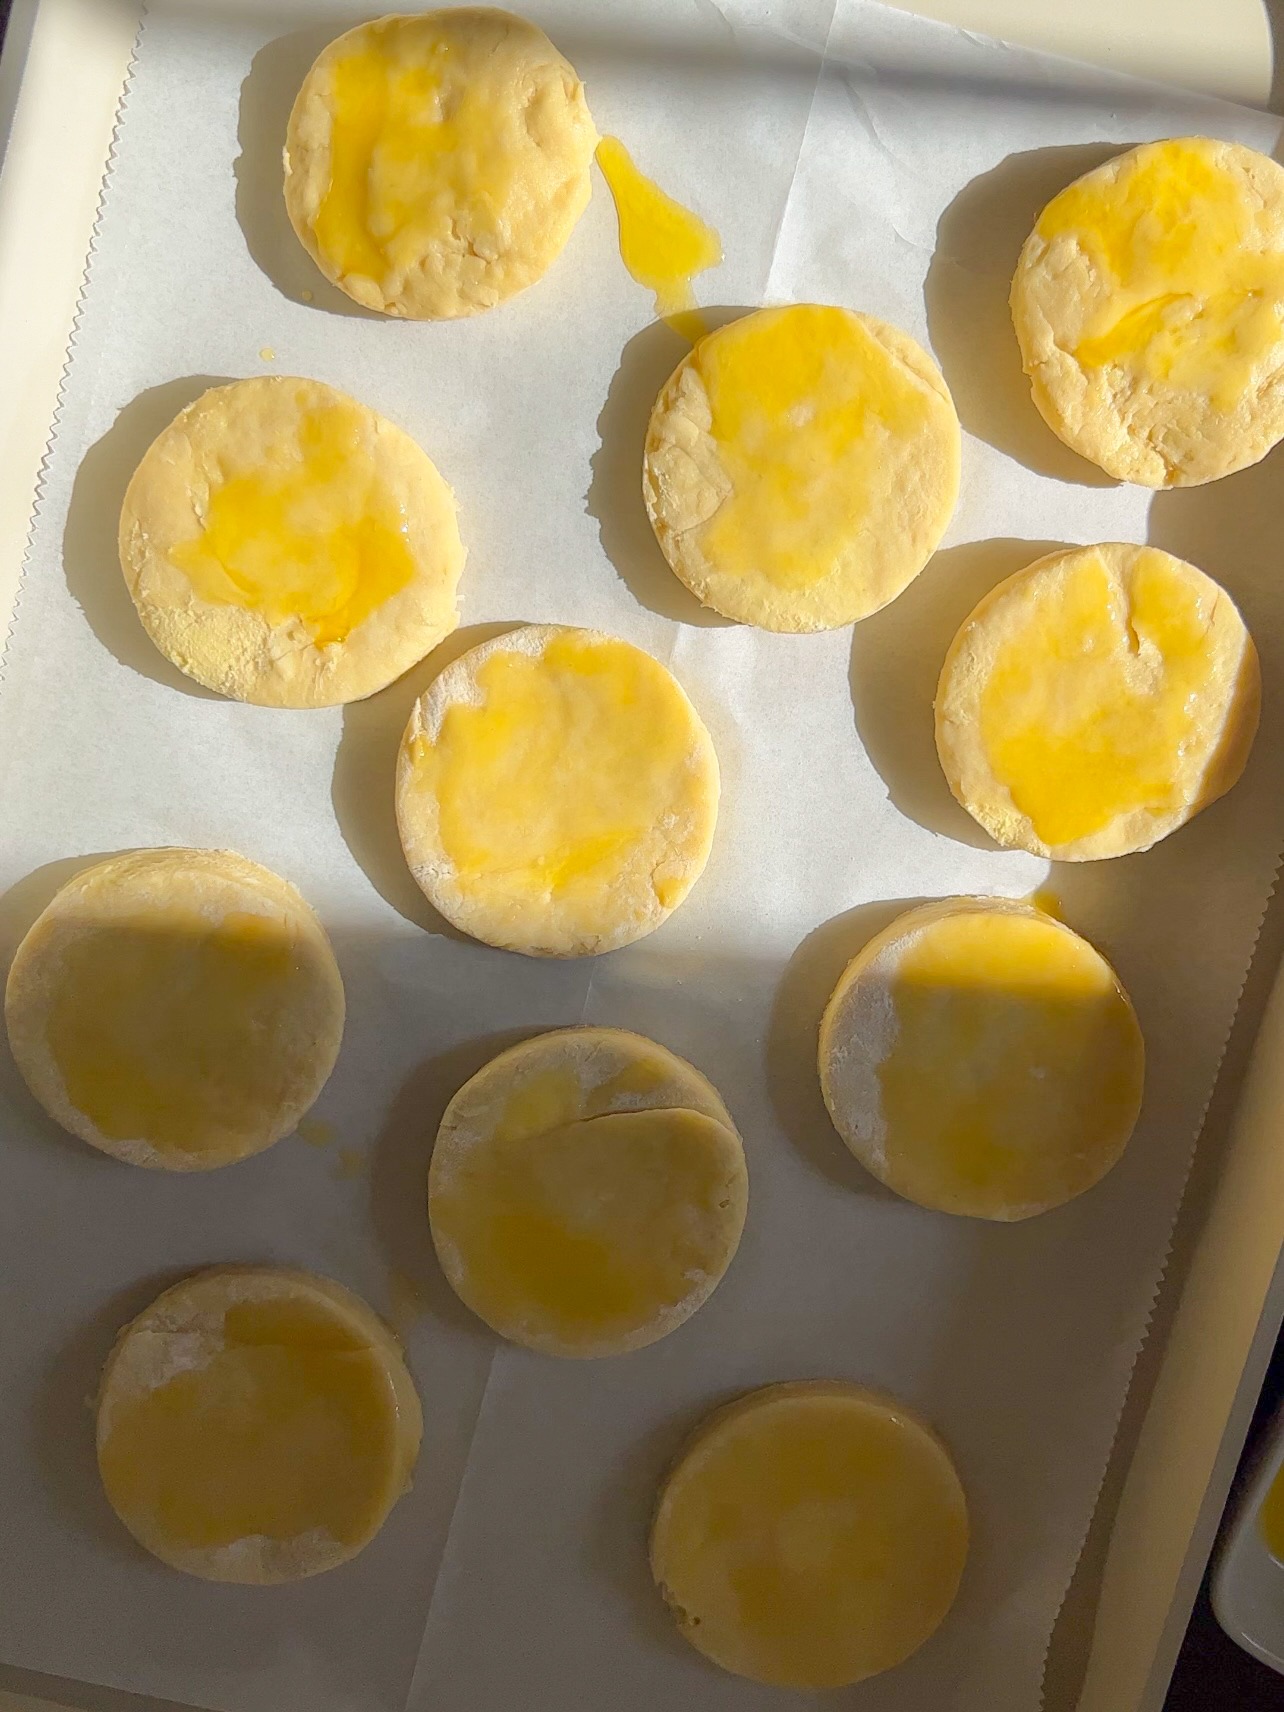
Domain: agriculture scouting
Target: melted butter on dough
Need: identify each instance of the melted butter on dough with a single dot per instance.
(1149, 305)
(801, 466)
(810, 1535)
(980, 1058)
(287, 546)
(556, 792)
(1096, 701)
(176, 1008)
(587, 1192)
(437, 163)
(256, 1425)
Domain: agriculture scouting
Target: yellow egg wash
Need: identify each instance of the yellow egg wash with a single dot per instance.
(1270, 1518)
(290, 1428)
(1094, 693)
(553, 1097)
(590, 1229)
(803, 401)
(1014, 1049)
(317, 1132)
(313, 536)
(1048, 901)
(546, 783)
(168, 1028)
(1196, 299)
(662, 244)
(813, 1542)
(414, 136)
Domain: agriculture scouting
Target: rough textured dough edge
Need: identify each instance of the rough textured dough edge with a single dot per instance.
(469, 1117)
(1138, 433)
(427, 860)
(765, 1397)
(430, 292)
(31, 982)
(987, 799)
(679, 427)
(183, 1311)
(237, 652)
(861, 1132)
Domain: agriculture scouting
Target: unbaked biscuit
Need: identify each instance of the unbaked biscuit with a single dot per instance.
(286, 545)
(556, 792)
(801, 466)
(435, 164)
(256, 1425)
(810, 1535)
(587, 1192)
(176, 1008)
(1096, 701)
(1149, 306)
(979, 1057)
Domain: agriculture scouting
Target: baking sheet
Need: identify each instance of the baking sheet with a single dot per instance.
(900, 181)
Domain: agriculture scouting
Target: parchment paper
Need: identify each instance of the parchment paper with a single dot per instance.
(901, 179)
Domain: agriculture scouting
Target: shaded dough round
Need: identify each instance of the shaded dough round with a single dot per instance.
(176, 1008)
(801, 466)
(587, 1192)
(436, 163)
(1096, 701)
(256, 1425)
(556, 792)
(979, 1057)
(1149, 306)
(810, 1535)
(286, 545)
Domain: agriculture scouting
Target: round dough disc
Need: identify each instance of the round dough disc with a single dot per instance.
(811, 1535)
(437, 163)
(287, 546)
(256, 1425)
(1149, 306)
(981, 1058)
(801, 466)
(176, 1008)
(556, 792)
(1096, 701)
(587, 1192)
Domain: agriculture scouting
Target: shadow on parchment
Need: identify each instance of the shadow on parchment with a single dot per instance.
(978, 241)
(91, 563)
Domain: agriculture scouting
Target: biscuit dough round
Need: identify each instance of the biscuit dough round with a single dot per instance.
(176, 1008)
(556, 792)
(801, 466)
(587, 1192)
(437, 163)
(286, 545)
(810, 1535)
(256, 1425)
(1149, 306)
(979, 1057)
(1096, 701)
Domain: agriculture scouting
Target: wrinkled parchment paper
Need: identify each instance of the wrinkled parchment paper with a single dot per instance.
(899, 176)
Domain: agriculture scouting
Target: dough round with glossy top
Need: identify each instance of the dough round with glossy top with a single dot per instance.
(979, 1057)
(1149, 306)
(556, 792)
(436, 163)
(286, 545)
(256, 1425)
(810, 1535)
(1096, 701)
(801, 466)
(176, 1008)
(587, 1192)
